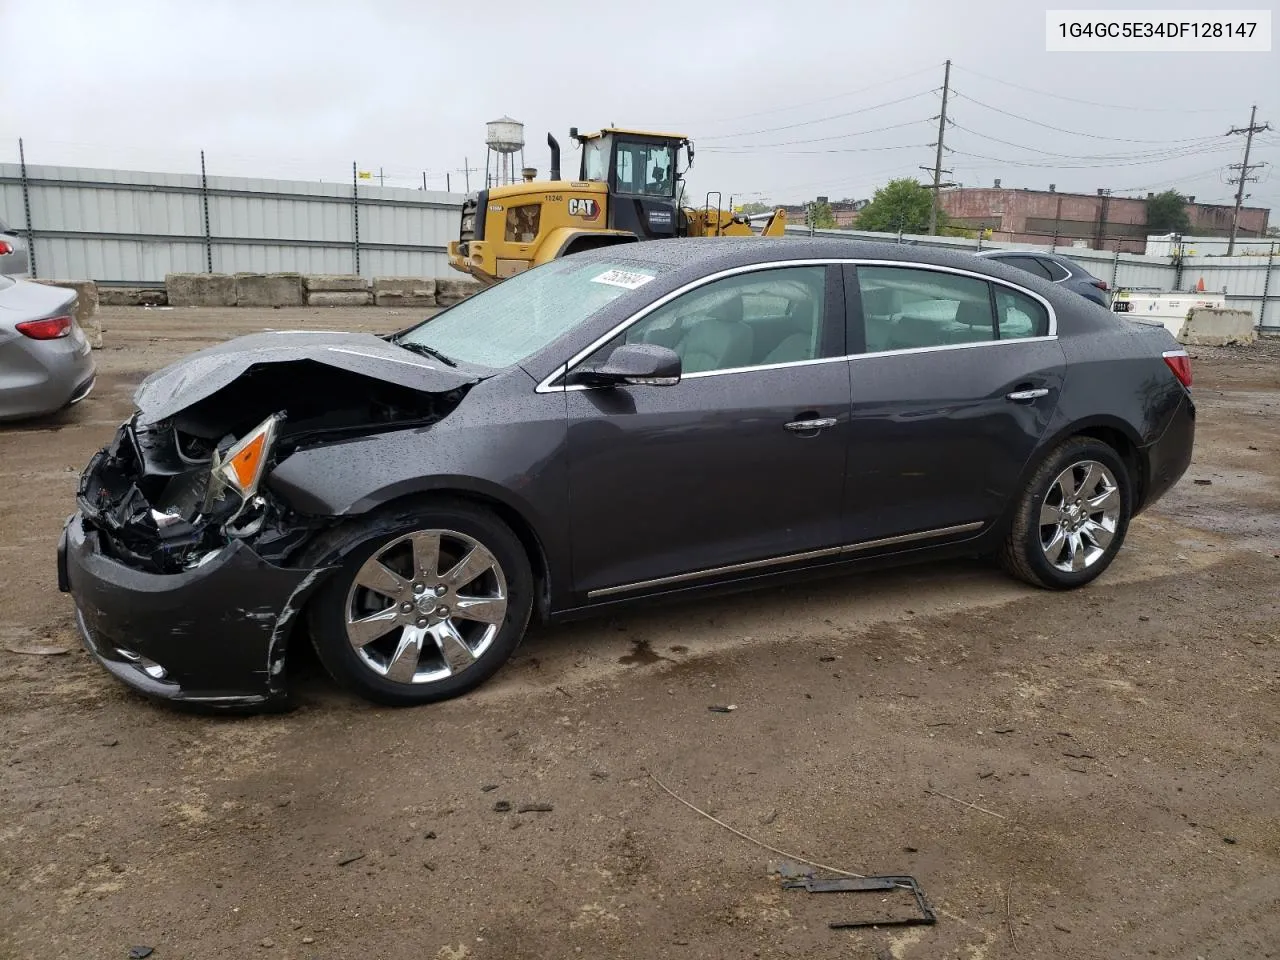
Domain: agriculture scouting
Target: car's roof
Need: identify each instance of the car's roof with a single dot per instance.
(709, 255)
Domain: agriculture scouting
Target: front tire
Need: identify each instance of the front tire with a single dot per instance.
(1072, 517)
(426, 606)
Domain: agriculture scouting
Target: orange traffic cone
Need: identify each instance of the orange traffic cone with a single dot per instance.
(1200, 285)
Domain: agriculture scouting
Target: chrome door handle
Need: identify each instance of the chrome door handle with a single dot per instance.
(1019, 395)
(805, 426)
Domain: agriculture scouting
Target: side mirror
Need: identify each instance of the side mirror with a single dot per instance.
(634, 364)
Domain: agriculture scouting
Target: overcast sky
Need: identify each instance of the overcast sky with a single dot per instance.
(784, 100)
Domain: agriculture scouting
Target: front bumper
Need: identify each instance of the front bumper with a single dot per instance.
(214, 635)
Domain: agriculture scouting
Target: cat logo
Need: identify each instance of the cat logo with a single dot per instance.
(585, 208)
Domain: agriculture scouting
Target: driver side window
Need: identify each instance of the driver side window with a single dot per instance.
(754, 319)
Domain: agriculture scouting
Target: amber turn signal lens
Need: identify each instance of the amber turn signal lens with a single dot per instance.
(246, 464)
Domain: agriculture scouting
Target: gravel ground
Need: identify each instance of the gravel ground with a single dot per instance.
(1069, 776)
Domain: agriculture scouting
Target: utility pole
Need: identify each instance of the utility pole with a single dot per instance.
(467, 169)
(937, 160)
(1244, 167)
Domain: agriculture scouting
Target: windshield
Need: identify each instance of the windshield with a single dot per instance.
(513, 320)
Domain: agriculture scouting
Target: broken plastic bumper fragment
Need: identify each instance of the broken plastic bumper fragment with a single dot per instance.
(214, 634)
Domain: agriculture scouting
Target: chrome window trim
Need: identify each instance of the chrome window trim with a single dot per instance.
(546, 384)
(787, 558)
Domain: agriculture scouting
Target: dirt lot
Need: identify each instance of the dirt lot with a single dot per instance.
(1115, 751)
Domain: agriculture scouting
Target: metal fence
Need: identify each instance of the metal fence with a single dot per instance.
(1250, 282)
(129, 228)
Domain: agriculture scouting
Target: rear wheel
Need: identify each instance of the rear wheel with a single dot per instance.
(425, 607)
(1072, 517)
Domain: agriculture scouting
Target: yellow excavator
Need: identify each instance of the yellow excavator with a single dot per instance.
(630, 187)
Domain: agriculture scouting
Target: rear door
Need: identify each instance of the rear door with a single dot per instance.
(741, 464)
(953, 380)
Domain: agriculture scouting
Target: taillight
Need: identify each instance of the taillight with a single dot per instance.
(5, 247)
(51, 328)
(1180, 364)
(1100, 284)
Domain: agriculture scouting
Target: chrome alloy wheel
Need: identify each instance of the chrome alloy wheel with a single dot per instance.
(1079, 516)
(426, 606)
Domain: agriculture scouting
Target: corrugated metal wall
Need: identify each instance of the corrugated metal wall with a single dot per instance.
(1246, 280)
(131, 228)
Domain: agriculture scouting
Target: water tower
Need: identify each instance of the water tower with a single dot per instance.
(505, 138)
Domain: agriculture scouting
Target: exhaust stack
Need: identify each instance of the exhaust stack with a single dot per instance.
(555, 156)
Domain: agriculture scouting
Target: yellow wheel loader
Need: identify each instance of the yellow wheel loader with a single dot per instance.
(628, 189)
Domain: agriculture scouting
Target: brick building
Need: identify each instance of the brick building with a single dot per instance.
(1104, 221)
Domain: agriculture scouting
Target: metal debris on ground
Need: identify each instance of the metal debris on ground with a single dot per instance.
(350, 858)
(38, 649)
(534, 808)
(139, 953)
(869, 885)
(727, 709)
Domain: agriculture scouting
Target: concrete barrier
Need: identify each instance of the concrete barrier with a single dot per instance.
(86, 306)
(449, 292)
(333, 283)
(404, 291)
(339, 298)
(200, 289)
(132, 297)
(1211, 327)
(269, 290)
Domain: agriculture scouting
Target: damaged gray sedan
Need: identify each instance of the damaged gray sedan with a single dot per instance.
(615, 427)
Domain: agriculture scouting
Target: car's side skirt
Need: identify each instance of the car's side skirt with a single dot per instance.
(750, 565)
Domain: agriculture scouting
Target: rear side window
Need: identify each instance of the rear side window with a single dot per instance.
(1056, 270)
(905, 308)
(1019, 315)
(1030, 264)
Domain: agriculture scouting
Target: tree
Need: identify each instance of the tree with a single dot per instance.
(754, 207)
(900, 205)
(821, 217)
(1167, 213)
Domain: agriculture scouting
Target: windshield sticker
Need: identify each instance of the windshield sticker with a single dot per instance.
(623, 278)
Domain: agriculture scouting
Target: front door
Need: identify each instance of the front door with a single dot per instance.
(953, 381)
(740, 464)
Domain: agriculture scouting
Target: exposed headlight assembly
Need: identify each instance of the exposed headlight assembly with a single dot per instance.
(243, 466)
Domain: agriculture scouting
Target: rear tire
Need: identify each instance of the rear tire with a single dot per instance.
(427, 604)
(1072, 517)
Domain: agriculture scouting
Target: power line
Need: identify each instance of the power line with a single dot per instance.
(838, 96)
(1075, 133)
(735, 151)
(806, 123)
(1089, 166)
(1071, 156)
(837, 136)
(1090, 103)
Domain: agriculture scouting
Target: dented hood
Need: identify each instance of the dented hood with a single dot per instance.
(202, 374)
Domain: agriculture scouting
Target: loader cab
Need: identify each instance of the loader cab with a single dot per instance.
(642, 171)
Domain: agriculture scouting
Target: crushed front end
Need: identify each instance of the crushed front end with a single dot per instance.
(187, 570)
(186, 586)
